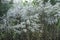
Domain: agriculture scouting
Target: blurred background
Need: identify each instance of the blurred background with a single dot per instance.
(29, 19)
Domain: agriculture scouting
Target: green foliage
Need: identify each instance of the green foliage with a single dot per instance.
(4, 7)
(35, 3)
(25, 3)
(53, 2)
(44, 1)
